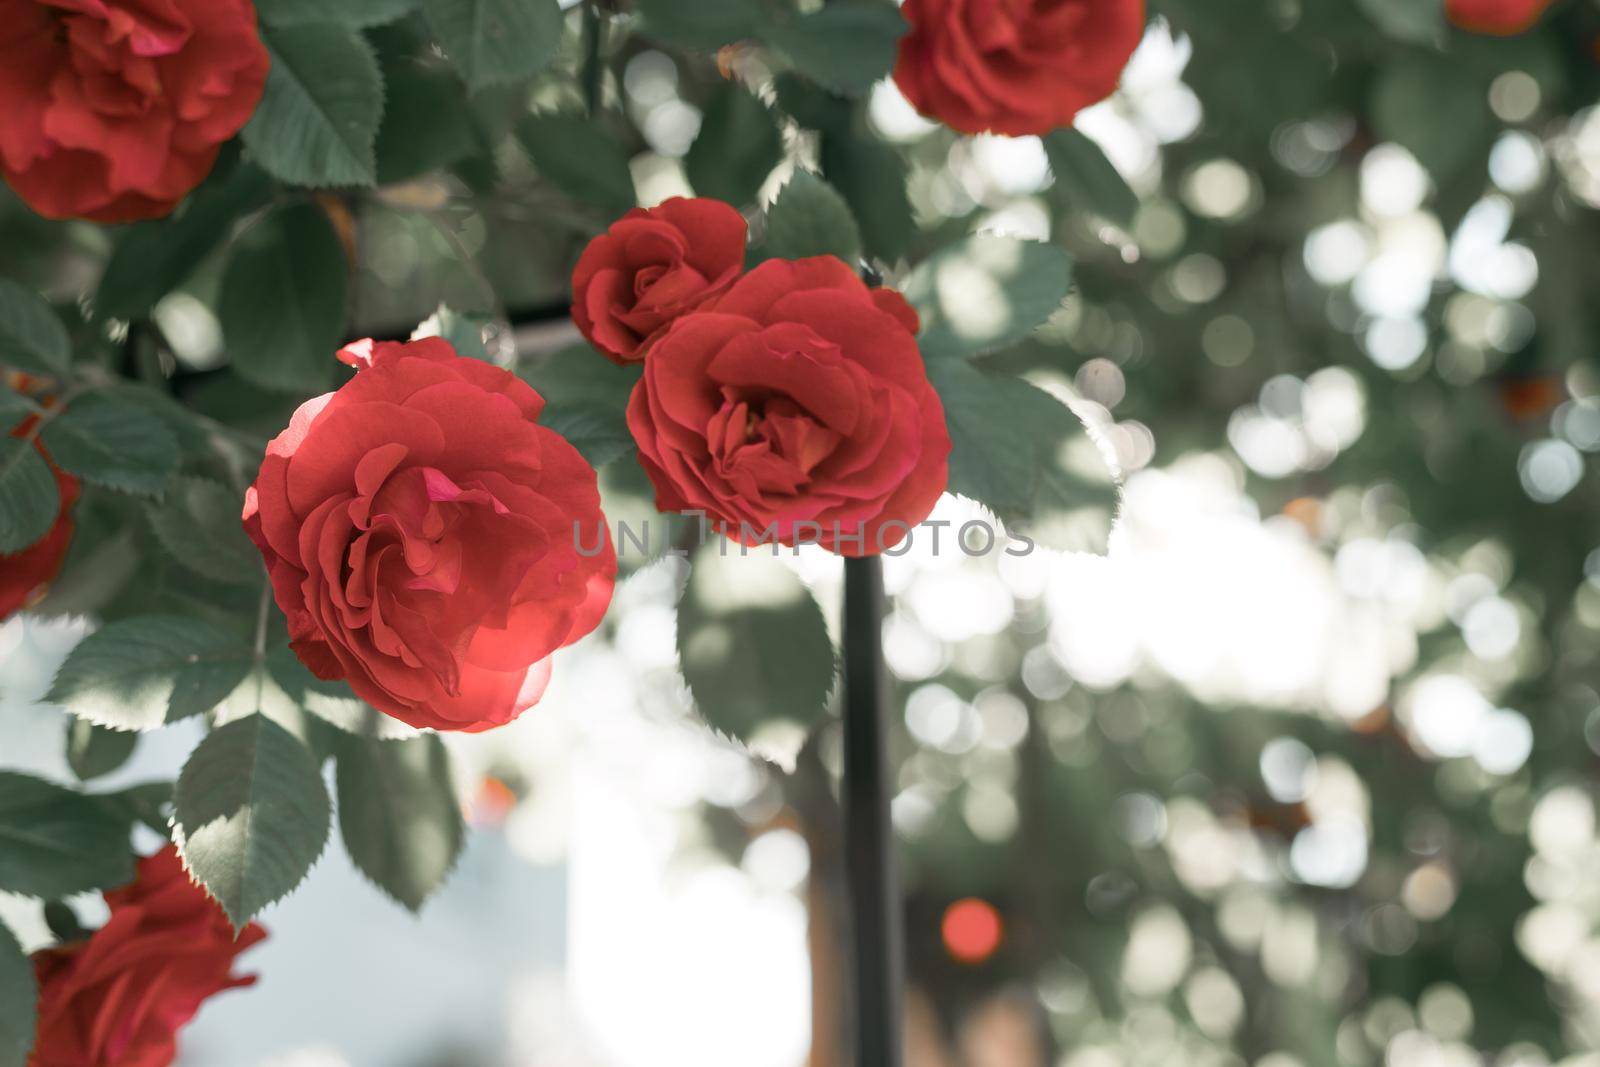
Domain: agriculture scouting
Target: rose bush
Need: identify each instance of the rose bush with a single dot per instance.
(651, 267)
(795, 408)
(115, 109)
(1014, 66)
(119, 998)
(1502, 18)
(430, 533)
(422, 534)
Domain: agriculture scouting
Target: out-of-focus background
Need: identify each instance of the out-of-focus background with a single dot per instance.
(1302, 774)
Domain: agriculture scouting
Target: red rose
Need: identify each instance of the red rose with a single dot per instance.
(119, 998)
(796, 404)
(652, 266)
(114, 109)
(1014, 66)
(23, 574)
(1503, 18)
(429, 542)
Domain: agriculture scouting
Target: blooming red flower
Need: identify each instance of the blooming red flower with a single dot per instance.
(652, 266)
(23, 574)
(796, 408)
(1014, 66)
(1503, 18)
(114, 110)
(119, 998)
(429, 542)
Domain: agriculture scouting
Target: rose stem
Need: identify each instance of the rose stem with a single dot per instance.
(869, 835)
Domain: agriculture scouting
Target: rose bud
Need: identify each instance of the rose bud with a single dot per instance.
(119, 998)
(116, 109)
(430, 543)
(1016, 68)
(651, 267)
(795, 409)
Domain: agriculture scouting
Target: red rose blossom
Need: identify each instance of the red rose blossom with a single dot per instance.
(652, 266)
(1502, 18)
(24, 573)
(429, 542)
(796, 404)
(1014, 66)
(113, 110)
(119, 998)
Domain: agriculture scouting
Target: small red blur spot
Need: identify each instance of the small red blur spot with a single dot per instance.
(972, 930)
(493, 803)
(1531, 397)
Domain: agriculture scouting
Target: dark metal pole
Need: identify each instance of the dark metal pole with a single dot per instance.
(875, 905)
(593, 67)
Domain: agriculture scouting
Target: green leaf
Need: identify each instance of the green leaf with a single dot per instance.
(252, 814)
(986, 293)
(580, 158)
(29, 497)
(1010, 452)
(496, 41)
(192, 434)
(143, 672)
(198, 522)
(153, 258)
(752, 642)
(55, 842)
(810, 218)
(358, 14)
(31, 335)
(399, 815)
(846, 47)
(599, 433)
(1086, 178)
(703, 25)
(872, 177)
(111, 443)
(19, 996)
(992, 459)
(93, 751)
(318, 119)
(283, 301)
(427, 122)
(738, 145)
